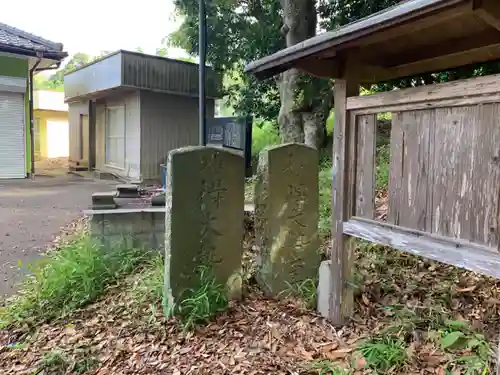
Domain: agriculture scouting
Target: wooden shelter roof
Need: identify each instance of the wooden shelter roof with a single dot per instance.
(414, 37)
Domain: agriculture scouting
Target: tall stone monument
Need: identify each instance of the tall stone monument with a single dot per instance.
(204, 218)
(286, 217)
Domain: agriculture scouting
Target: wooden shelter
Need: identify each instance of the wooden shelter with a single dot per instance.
(444, 188)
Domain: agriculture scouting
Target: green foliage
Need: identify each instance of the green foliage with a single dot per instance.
(325, 200)
(237, 32)
(382, 167)
(56, 80)
(55, 362)
(198, 306)
(264, 134)
(329, 122)
(68, 278)
(456, 336)
(384, 353)
(325, 367)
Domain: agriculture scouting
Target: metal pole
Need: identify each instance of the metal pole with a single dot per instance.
(202, 41)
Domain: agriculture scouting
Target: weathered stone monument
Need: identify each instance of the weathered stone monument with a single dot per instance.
(204, 218)
(286, 217)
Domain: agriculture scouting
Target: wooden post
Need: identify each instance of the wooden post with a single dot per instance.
(344, 163)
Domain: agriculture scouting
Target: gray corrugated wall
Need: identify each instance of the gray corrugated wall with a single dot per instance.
(74, 111)
(167, 122)
(132, 129)
(157, 73)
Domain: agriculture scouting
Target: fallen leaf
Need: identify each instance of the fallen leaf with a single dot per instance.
(338, 353)
(468, 289)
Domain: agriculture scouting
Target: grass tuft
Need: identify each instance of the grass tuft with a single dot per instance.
(55, 361)
(305, 290)
(201, 304)
(68, 278)
(384, 353)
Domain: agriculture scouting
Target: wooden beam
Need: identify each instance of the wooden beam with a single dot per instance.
(463, 254)
(450, 93)
(488, 11)
(318, 67)
(450, 47)
(431, 65)
(343, 206)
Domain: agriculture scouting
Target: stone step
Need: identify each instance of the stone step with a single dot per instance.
(104, 200)
(128, 191)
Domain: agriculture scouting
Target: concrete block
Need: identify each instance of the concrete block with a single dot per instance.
(117, 240)
(128, 191)
(158, 221)
(144, 241)
(142, 222)
(117, 224)
(97, 225)
(158, 200)
(324, 288)
(128, 223)
(104, 200)
(160, 240)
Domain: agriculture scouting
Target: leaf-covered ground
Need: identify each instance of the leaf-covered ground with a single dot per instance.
(412, 317)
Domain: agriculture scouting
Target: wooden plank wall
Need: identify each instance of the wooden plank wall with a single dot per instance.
(445, 158)
(443, 177)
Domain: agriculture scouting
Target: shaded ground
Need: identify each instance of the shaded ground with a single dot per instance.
(32, 214)
(52, 167)
(406, 309)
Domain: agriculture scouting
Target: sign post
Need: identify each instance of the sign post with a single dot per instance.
(234, 133)
(202, 41)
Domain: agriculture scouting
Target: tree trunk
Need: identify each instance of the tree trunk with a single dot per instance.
(301, 119)
(290, 121)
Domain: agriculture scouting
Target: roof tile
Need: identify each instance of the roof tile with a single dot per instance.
(17, 38)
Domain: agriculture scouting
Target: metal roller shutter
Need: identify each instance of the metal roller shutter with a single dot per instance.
(12, 136)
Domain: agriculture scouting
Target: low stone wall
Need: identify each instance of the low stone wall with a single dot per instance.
(137, 227)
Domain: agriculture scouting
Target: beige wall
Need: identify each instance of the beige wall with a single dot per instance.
(167, 122)
(131, 102)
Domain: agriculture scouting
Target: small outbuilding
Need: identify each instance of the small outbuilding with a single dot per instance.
(22, 55)
(127, 110)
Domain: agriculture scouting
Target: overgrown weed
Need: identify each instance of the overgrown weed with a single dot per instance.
(68, 278)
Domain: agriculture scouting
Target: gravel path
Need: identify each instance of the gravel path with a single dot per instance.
(32, 213)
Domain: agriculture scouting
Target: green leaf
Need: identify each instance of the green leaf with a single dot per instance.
(456, 323)
(473, 343)
(451, 339)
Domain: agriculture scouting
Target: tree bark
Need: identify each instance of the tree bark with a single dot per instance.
(290, 121)
(301, 119)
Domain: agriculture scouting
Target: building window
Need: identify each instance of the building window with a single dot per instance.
(115, 137)
(38, 151)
